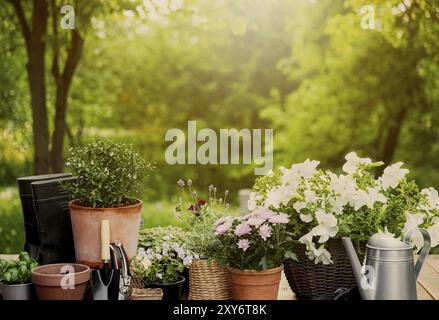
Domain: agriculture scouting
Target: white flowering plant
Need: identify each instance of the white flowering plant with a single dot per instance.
(162, 255)
(200, 216)
(322, 205)
(256, 241)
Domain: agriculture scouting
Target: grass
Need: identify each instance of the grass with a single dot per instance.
(11, 221)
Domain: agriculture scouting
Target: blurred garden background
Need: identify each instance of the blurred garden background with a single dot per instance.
(329, 76)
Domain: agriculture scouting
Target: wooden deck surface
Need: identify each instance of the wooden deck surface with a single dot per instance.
(428, 282)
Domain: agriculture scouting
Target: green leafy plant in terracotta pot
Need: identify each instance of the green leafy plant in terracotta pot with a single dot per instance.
(253, 247)
(110, 179)
(15, 277)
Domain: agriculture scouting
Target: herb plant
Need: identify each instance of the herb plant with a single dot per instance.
(110, 174)
(17, 272)
(200, 215)
(162, 255)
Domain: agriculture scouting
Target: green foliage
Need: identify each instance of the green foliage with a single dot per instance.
(150, 237)
(162, 256)
(17, 272)
(109, 174)
(11, 222)
(200, 216)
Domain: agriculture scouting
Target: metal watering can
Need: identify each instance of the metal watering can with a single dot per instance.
(389, 272)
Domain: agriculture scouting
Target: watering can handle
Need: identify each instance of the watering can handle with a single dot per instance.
(425, 248)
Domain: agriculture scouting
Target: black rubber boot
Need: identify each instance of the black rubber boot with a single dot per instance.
(53, 214)
(32, 241)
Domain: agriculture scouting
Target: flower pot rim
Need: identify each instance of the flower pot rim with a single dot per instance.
(252, 271)
(182, 280)
(36, 275)
(73, 204)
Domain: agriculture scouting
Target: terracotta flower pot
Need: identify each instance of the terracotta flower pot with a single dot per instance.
(51, 283)
(86, 226)
(255, 285)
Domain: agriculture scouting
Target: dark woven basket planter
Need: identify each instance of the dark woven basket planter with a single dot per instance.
(310, 281)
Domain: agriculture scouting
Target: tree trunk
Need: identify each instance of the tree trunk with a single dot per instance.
(392, 136)
(35, 45)
(63, 83)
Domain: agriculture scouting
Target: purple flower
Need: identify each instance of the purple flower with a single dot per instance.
(243, 229)
(243, 244)
(222, 221)
(264, 213)
(246, 217)
(223, 225)
(280, 218)
(255, 221)
(265, 231)
(180, 182)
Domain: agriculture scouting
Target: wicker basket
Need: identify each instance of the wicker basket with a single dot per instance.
(310, 281)
(209, 281)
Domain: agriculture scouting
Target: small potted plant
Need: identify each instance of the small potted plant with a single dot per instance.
(207, 279)
(323, 207)
(253, 247)
(15, 277)
(109, 182)
(160, 261)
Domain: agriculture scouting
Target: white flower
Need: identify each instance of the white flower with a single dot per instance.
(306, 239)
(337, 204)
(187, 260)
(307, 168)
(327, 226)
(277, 196)
(306, 217)
(345, 186)
(253, 198)
(368, 198)
(322, 255)
(432, 199)
(146, 263)
(392, 175)
(352, 162)
(299, 206)
(299, 170)
(413, 221)
(310, 196)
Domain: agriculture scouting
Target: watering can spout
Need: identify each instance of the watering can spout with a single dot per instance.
(366, 294)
